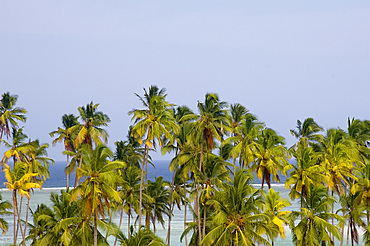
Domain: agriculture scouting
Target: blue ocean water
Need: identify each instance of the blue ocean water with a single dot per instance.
(58, 176)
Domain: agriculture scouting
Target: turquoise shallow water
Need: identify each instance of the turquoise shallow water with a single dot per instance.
(58, 180)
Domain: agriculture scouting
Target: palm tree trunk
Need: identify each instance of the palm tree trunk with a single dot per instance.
(129, 224)
(332, 218)
(196, 205)
(171, 211)
(147, 220)
(348, 235)
(28, 208)
(68, 173)
(204, 218)
(234, 166)
(197, 194)
(141, 185)
(119, 225)
(15, 214)
(19, 220)
(185, 210)
(95, 228)
(19, 214)
(110, 214)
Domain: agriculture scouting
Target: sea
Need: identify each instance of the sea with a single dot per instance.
(57, 182)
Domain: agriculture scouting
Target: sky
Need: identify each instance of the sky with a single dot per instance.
(283, 60)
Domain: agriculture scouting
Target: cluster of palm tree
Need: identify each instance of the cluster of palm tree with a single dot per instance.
(25, 163)
(218, 153)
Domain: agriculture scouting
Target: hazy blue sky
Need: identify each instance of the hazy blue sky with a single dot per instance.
(284, 60)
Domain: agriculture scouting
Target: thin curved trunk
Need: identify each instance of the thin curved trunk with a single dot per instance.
(129, 223)
(95, 228)
(197, 194)
(141, 184)
(348, 235)
(15, 215)
(20, 214)
(204, 218)
(171, 210)
(19, 221)
(28, 208)
(185, 209)
(332, 218)
(119, 225)
(110, 214)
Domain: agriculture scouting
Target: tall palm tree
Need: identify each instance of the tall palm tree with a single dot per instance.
(129, 191)
(210, 126)
(152, 123)
(215, 173)
(19, 179)
(305, 173)
(66, 135)
(245, 142)
(9, 115)
(338, 157)
(99, 179)
(237, 114)
(183, 116)
(272, 156)
(237, 219)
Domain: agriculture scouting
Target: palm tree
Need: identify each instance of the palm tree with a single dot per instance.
(38, 159)
(361, 188)
(19, 179)
(157, 202)
(215, 173)
(307, 132)
(90, 130)
(99, 179)
(151, 123)
(237, 219)
(129, 191)
(58, 224)
(5, 206)
(338, 157)
(65, 134)
(306, 172)
(143, 237)
(273, 205)
(353, 214)
(245, 142)
(183, 116)
(271, 156)
(10, 115)
(18, 148)
(313, 227)
(237, 114)
(211, 125)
